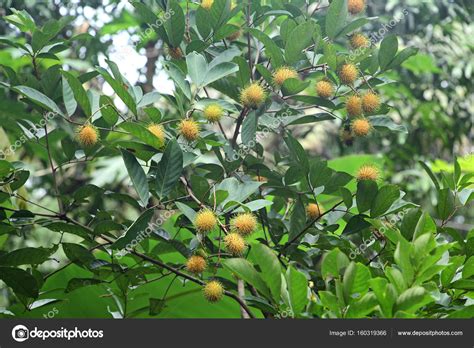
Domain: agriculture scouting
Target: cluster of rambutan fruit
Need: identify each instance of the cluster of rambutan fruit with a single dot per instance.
(241, 226)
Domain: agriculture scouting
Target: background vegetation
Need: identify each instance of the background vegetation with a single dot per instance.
(400, 247)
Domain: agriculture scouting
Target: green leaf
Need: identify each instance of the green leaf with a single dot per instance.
(468, 270)
(219, 71)
(79, 92)
(136, 232)
(386, 196)
(38, 98)
(336, 18)
(219, 13)
(446, 204)
(138, 176)
(297, 153)
(354, 25)
(169, 169)
(20, 281)
(69, 228)
(388, 50)
(271, 49)
(269, 266)
(120, 89)
(249, 128)
(298, 219)
(142, 133)
(174, 25)
(26, 256)
(78, 254)
(387, 122)
(197, 67)
(402, 56)
(244, 270)
(187, 211)
(431, 174)
(362, 307)
(464, 313)
(77, 283)
(411, 300)
(299, 39)
(68, 98)
(366, 193)
(297, 289)
(333, 263)
(108, 111)
(385, 293)
(356, 280)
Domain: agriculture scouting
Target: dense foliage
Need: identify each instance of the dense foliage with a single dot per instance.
(211, 201)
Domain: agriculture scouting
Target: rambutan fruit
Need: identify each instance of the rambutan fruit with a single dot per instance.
(189, 129)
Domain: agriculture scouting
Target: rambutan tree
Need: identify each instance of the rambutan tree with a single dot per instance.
(204, 202)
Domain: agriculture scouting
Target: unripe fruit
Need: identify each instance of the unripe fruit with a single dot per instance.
(189, 129)
(196, 264)
(158, 131)
(355, 6)
(234, 243)
(213, 112)
(205, 221)
(253, 95)
(368, 172)
(354, 106)
(370, 102)
(213, 291)
(207, 4)
(361, 127)
(87, 135)
(244, 223)
(358, 41)
(324, 89)
(313, 211)
(282, 74)
(348, 74)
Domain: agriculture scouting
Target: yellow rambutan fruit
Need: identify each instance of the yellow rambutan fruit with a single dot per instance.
(368, 172)
(244, 223)
(324, 89)
(196, 264)
(213, 291)
(355, 6)
(361, 127)
(87, 135)
(253, 95)
(370, 102)
(313, 211)
(205, 221)
(354, 105)
(158, 131)
(234, 243)
(213, 112)
(189, 129)
(282, 74)
(358, 40)
(207, 4)
(348, 74)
